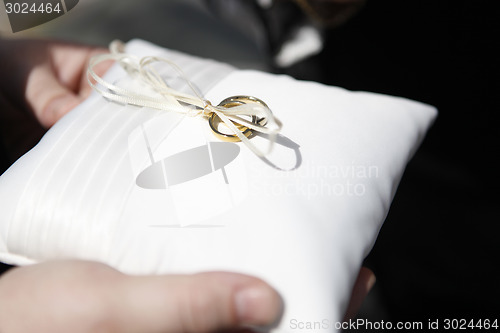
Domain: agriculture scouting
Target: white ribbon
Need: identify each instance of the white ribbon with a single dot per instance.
(172, 100)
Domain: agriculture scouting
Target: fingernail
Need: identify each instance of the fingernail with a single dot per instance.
(247, 300)
(258, 305)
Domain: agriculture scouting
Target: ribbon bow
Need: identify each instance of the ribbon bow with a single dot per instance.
(232, 111)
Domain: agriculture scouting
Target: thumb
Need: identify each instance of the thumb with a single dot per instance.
(195, 303)
(47, 97)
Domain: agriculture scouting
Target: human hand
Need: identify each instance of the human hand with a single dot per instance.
(86, 297)
(41, 81)
(81, 296)
(362, 286)
(45, 77)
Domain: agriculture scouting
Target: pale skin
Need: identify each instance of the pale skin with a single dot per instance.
(47, 79)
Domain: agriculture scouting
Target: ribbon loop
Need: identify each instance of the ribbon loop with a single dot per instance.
(242, 115)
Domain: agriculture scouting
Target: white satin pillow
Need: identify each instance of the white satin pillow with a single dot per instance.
(148, 191)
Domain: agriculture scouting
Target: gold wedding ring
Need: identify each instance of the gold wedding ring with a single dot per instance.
(214, 121)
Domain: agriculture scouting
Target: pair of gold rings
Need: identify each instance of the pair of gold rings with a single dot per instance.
(215, 122)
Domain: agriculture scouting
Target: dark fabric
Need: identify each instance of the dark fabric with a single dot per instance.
(436, 254)
(268, 28)
(4, 268)
(4, 163)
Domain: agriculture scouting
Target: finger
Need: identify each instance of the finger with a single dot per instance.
(364, 283)
(84, 89)
(54, 89)
(70, 62)
(47, 97)
(59, 296)
(195, 303)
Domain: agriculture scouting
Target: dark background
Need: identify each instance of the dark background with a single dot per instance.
(437, 253)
